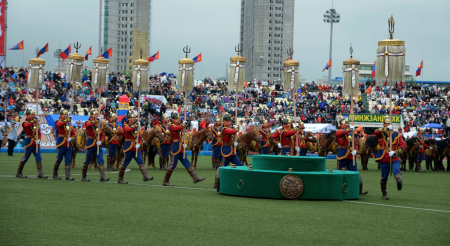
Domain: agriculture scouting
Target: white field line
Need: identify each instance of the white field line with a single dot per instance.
(191, 188)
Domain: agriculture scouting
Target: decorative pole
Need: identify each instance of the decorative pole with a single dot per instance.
(140, 83)
(290, 82)
(236, 80)
(391, 53)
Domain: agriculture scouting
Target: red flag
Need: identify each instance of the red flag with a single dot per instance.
(385, 83)
(327, 65)
(18, 46)
(287, 59)
(89, 52)
(419, 69)
(65, 53)
(373, 70)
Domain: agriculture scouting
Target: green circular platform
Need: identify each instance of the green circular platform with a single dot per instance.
(268, 170)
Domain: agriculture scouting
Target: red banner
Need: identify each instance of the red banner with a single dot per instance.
(2, 27)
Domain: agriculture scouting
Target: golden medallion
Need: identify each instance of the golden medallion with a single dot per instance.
(291, 186)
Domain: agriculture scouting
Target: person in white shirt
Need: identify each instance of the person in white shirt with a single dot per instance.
(242, 127)
(194, 124)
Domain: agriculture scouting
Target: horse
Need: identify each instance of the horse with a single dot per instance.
(442, 150)
(151, 138)
(273, 147)
(366, 147)
(195, 143)
(411, 149)
(327, 143)
(245, 142)
(429, 154)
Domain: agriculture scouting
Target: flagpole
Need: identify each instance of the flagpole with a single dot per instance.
(201, 73)
(422, 72)
(158, 61)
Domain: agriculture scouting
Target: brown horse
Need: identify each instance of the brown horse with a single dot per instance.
(196, 143)
(366, 147)
(273, 147)
(151, 138)
(327, 143)
(248, 141)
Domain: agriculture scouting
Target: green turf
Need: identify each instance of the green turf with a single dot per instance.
(60, 212)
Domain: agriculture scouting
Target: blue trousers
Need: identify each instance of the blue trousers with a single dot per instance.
(232, 158)
(178, 157)
(302, 151)
(91, 152)
(385, 170)
(29, 151)
(217, 153)
(130, 155)
(165, 150)
(265, 150)
(112, 150)
(348, 164)
(418, 157)
(66, 153)
(285, 150)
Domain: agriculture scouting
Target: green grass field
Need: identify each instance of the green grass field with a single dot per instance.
(59, 212)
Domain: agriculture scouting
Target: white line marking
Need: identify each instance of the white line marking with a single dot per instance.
(394, 206)
(152, 185)
(192, 188)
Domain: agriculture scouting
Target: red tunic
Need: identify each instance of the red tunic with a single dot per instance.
(28, 130)
(265, 133)
(397, 145)
(164, 128)
(175, 133)
(130, 139)
(91, 125)
(62, 132)
(285, 137)
(227, 139)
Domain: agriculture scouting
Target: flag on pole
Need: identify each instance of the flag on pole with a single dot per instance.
(373, 70)
(198, 58)
(287, 59)
(154, 57)
(43, 50)
(107, 54)
(419, 69)
(327, 65)
(18, 46)
(65, 53)
(89, 52)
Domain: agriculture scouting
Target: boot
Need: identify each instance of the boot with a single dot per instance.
(361, 191)
(40, 171)
(108, 163)
(166, 163)
(144, 173)
(55, 171)
(167, 178)
(419, 167)
(398, 177)
(68, 177)
(383, 190)
(101, 168)
(161, 163)
(194, 176)
(19, 170)
(216, 181)
(83, 175)
(113, 162)
(121, 173)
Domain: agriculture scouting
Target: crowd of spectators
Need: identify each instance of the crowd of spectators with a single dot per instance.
(261, 100)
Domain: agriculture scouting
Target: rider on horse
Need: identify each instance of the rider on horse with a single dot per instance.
(283, 136)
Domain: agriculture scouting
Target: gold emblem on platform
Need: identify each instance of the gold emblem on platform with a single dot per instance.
(291, 186)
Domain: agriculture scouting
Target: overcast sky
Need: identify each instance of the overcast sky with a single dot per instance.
(212, 27)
